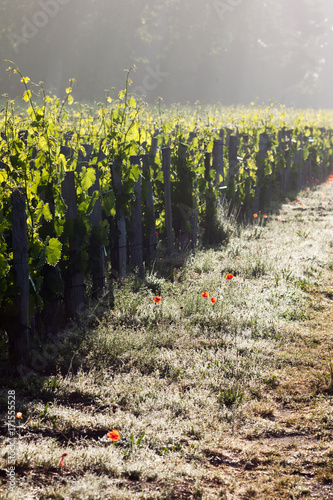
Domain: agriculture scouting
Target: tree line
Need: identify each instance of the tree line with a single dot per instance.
(228, 51)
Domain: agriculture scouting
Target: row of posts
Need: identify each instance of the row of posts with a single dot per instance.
(75, 284)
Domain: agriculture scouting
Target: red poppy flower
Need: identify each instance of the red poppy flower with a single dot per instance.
(213, 299)
(157, 299)
(205, 295)
(181, 307)
(229, 276)
(62, 459)
(114, 435)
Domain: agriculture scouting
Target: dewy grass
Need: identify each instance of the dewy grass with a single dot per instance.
(195, 389)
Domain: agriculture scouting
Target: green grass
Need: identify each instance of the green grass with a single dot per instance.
(182, 381)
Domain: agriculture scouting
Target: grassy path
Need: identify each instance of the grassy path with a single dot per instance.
(292, 457)
(230, 400)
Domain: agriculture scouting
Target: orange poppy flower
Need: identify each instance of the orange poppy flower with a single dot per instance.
(19, 415)
(62, 459)
(255, 215)
(213, 299)
(157, 299)
(229, 276)
(265, 216)
(307, 189)
(114, 435)
(205, 295)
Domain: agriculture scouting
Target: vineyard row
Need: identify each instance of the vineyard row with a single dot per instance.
(61, 228)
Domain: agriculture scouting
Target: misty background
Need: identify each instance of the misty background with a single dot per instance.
(226, 51)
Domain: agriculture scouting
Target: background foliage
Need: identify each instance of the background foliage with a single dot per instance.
(232, 52)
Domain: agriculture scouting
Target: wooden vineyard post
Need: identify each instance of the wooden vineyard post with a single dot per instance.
(67, 152)
(321, 166)
(287, 155)
(300, 163)
(282, 169)
(327, 167)
(218, 161)
(308, 168)
(18, 330)
(247, 206)
(150, 240)
(96, 243)
(210, 199)
(136, 243)
(185, 206)
(233, 162)
(121, 222)
(269, 178)
(195, 222)
(166, 166)
(195, 210)
(263, 148)
(195, 217)
(227, 136)
(74, 281)
(68, 136)
(153, 148)
(320, 171)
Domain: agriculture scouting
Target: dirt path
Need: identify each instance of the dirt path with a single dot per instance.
(294, 457)
(287, 451)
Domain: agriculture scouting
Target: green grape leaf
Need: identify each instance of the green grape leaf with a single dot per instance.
(92, 202)
(3, 176)
(88, 178)
(53, 252)
(43, 209)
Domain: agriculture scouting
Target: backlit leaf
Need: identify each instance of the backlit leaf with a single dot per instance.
(53, 252)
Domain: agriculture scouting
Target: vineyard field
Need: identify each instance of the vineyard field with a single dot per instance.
(88, 192)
